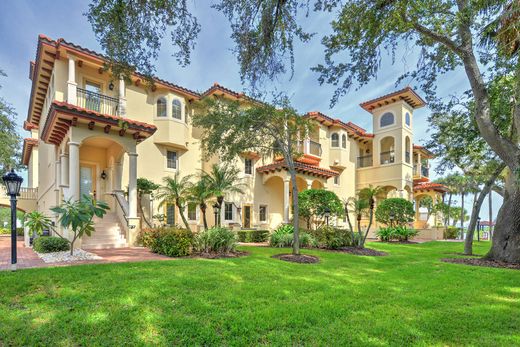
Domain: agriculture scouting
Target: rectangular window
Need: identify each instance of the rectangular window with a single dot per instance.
(228, 211)
(336, 180)
(171, 162)
(248, 166)
(170, 214)
(192, 211)
(263, 213)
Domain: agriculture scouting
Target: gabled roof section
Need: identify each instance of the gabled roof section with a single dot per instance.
(352, 129)
(425, 186)
(407, 95)
(28, 145)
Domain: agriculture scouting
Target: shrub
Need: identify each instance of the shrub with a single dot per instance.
(253, 235)
(451, 233)
(401, 209)
(216, 240)
(172, 242)
(313, 203)
(7, 231)
(47, 244)
(332, 238)
(283, 236)
(398, 233)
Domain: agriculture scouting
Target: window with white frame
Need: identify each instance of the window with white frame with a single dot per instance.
(176, 109)
(407, 119)
(248, 166)
(170, 214)
(171, 159)
(228, 211)
(386, 119)
(344, 141)
(334, 140)
(262, 213)
(192, 211)
(161, 107)
(336, 180)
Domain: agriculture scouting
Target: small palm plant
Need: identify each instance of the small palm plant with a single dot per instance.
(359, 208)
(369, 194)
(37, 222)
(200, 193)
(77, 216)
(223, 180)
(175, 190)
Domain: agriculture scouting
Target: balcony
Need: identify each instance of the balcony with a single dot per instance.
(365, 161)
(339, 158)
(387, 157)
(421, 171)
(97, 102)
(171, 132)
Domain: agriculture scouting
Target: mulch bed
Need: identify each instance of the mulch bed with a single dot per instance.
(482, 262)
(301, 259)
(464, 255)
(401, 242)
(362, 251)
(236, 254)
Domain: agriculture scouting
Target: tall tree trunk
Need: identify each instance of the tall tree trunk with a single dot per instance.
(181, 213)
(447, 217)
(468, 244)
(204, 220)
(220, 202)
(506, 236)
(371, 217)
(462, 215)
(296, 214)
(490, 202)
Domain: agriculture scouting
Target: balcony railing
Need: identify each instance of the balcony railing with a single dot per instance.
(388, 157)
(365, 161)
(25, 193)
(315, 148)
(97, 102)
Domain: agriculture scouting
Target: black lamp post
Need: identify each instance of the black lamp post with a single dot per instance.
(327, 214)
(215, 211)
(13, 183)
(478, 229)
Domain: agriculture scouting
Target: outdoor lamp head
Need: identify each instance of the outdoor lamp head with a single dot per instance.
(12, 182)
(327, 212)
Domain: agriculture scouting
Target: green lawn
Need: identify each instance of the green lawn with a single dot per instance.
(409, 297)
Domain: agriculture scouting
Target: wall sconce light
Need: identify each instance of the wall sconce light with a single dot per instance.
(103, 175)
(111, 86)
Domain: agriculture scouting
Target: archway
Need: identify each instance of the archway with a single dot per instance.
(272, 197)
(387, 150)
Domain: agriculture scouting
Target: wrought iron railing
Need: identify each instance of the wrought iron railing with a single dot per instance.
(97, 102)
(388, 157)
(365, 161)
(315, 148)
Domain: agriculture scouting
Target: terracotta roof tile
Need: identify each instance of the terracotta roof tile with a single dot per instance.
(300, 167)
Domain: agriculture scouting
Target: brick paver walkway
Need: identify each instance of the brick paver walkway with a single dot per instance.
(27, 258)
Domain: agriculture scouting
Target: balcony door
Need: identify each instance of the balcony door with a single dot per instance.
(93, 96)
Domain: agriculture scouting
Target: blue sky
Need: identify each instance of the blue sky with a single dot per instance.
(212, 61)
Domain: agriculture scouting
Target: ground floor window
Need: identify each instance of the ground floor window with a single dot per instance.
(170, 214)
(192, 211)
(263, 213)
(228, 211)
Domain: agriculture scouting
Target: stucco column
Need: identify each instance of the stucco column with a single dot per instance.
(73, 171)
(286, 200)
(132, 185)
(71, 82)
(64, 176)
(118, 176)
(122, 98)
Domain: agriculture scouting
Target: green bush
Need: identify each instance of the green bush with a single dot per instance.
(400, 209)
(7, 231)
(284, 237)
(332, 238)
(172, 242)
(253, 235)
(398, 233)
(451, 233)
(216, 240)
(47, 244)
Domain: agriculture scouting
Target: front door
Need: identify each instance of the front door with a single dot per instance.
(86, 181)
(247, 217)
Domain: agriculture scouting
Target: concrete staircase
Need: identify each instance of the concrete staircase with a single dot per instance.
(108, 234)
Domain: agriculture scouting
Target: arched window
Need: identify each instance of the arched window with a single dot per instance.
(344, 141)
(407, 119)
(176, 109)
(407, 152)
(161, 107)
(334, 140)
(386, 120)
(387, 150)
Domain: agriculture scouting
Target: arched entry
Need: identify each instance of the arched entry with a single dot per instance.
(273, 198)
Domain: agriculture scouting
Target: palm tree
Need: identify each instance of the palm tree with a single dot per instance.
(359, 207)
(200, 193)
(222, 180)
(369, 194)
(175, 190)
(450, 182)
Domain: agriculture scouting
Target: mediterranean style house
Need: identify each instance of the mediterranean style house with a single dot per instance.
(93, 133)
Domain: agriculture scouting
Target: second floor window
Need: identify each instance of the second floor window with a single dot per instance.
(171, 160)
(386, 120)
(176, 109)
(334, 138)
(228, 211)
(161, 107)
(248, 166)
(344, 141)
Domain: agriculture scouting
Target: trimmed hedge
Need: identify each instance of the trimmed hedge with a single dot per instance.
(172, 242)
(329, 237)
(253, 235)
(48, 244)
(216, 240)
(7, 231)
